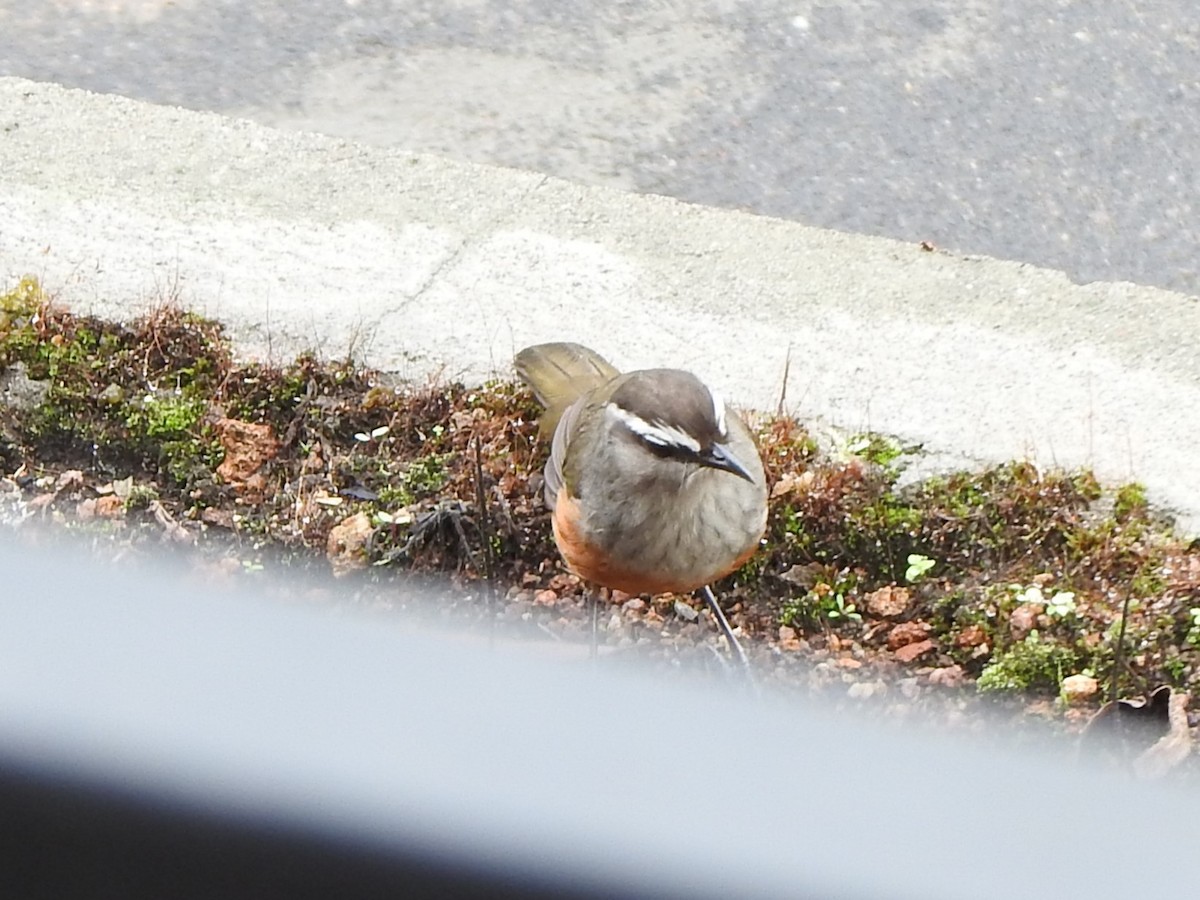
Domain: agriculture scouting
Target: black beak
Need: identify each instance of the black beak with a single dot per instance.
(717, 456)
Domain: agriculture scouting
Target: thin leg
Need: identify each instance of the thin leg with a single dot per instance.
(594, 603)
(734, 645)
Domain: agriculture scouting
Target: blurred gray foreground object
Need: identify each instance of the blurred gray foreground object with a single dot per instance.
(159, 740)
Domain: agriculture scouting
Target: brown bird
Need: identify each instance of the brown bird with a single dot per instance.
(653, 484)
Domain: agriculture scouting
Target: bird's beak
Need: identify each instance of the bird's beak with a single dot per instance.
(718, 456)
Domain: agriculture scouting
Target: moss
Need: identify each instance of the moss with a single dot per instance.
(121, 393)
(269, 394)
(1130, 501)
(1036, 663)
(140, 497)
(170, 430)
(426, 475)
(163, 417)
(19, 306)
(503, 398)
(885, 452)
(1086, 485)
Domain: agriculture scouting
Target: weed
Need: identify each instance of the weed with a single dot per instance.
(1061, 604)
(918, 567)
(826, 603)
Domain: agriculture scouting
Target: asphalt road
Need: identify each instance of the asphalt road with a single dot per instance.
(1065, 134)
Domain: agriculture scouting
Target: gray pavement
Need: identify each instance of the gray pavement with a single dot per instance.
(1064, 134)
(436, 268)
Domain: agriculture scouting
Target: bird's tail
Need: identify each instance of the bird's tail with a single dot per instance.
(558, 374)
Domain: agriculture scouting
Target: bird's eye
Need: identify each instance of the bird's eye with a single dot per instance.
(666, 450)
(656, 433)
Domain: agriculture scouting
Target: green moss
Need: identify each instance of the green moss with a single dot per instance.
(169, 429)
(1036, 663)
(1086, 485)
(163, 417)
(426, 475)
(881, 450)
(267, 394)
(20, 305)
(394, 496)
(140, 497)
(121, 393)
(504, 398)
(1130, 501)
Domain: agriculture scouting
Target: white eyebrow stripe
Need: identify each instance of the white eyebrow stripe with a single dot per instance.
(718, 411)
(655, 432)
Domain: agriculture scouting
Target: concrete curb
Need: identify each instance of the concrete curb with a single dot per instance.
(427, 266)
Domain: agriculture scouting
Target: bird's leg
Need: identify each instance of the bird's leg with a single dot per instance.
(594, 593)
(594, 602)
(734, 645)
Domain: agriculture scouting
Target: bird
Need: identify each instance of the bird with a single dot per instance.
(653, 484)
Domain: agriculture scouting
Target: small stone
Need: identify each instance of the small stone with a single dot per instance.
(249, 447)
(1079, 688)
(788, 640)
(685, 612)
(806, 576)
(107, 506)
(110, 507)
(1024, 619)
(545, 597)
(70, 480)
(112, 395)
(888, 602)
(948, 676)
(971, 636)
(18, 390)
(637, 604)
(848, 662)
(563, 581)
(909, 652)
(122, 487)
(860, 690)
(346, 547)
(907, 633)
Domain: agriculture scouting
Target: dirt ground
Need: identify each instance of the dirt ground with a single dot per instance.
(1035, 595)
